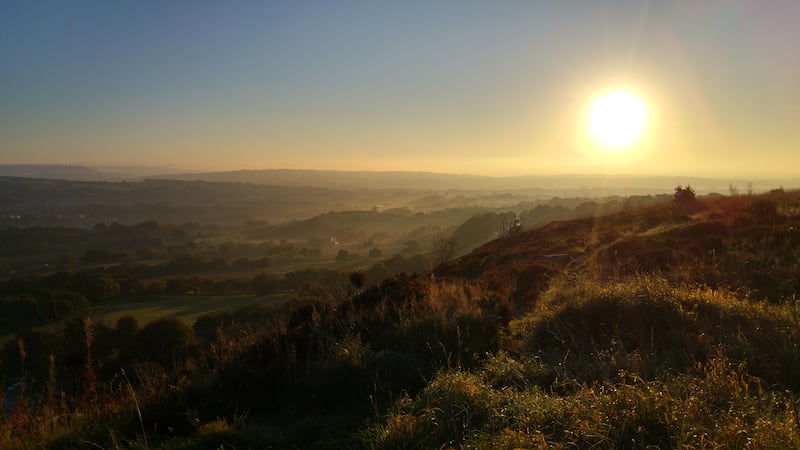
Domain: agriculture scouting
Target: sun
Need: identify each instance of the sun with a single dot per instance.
(617, 119)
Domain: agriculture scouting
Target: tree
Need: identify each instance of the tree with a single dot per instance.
(78, 301)
(97, 289)
(357, 279)
(82, 347)
(163, 339)
(684, 195)
(377, 273)
(206, 325)
(126, 330)
(444, 248)
(510, 226)
(342, 255)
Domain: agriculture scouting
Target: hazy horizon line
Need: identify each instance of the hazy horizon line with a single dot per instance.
(166, 170)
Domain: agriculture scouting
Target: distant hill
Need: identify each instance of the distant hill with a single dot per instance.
(79, 173)
(571, 184)
(343, 179)
(591, 185)
(37, 202)
(55, 172)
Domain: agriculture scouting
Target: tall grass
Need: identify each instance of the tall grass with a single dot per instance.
(637, 363)
(587, 330)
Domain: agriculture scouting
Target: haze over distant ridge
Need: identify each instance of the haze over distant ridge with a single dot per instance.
(618, 183)
(430, 180)
(76, 172)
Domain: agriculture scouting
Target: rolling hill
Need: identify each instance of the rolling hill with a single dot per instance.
(669, 326)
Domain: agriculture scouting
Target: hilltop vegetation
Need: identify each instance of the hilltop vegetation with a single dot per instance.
(668, 325)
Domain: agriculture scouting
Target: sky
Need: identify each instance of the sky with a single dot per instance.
(481, 87)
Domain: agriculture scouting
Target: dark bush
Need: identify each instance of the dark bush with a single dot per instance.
(126, 331)
(357, 279)
(685, 195)
(206, 325)
(164, 339)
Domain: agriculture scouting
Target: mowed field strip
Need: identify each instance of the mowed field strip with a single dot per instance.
(185, 308)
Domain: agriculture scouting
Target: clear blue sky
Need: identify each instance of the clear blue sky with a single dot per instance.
(483, 87)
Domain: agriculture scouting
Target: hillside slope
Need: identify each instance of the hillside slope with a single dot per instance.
(668, 326)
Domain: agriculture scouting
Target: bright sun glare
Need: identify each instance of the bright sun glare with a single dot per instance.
(617, 119)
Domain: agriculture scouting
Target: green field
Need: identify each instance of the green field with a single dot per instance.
(186, 308)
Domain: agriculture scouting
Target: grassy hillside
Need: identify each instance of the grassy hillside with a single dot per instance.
(660, 327)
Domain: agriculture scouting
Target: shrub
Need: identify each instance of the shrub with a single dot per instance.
(357, 279)
(126, 330)
(684, 195)
(206, 325)
(164, 339)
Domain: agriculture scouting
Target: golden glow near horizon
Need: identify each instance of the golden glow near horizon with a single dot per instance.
(617, 120)
(254, 85)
